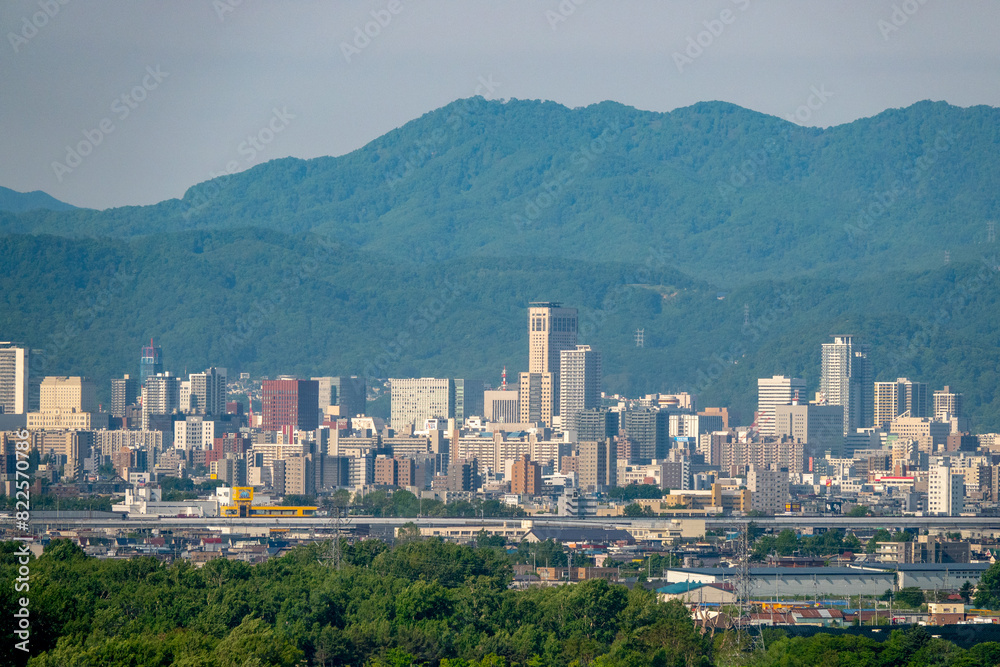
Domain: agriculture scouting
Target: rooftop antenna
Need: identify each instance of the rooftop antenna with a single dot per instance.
(503, 384)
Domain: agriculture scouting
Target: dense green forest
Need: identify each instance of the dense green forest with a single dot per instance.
(422, 602)
(267, 302)
(726, 194)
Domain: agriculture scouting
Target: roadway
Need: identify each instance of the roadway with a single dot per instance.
(49, 522)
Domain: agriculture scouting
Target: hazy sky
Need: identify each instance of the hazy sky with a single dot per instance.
(115, 103)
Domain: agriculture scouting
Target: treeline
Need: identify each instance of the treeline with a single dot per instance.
(421, 603)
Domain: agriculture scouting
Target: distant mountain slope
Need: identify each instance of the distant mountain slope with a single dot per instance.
(13, 201)
(728, 194)
(267, 302)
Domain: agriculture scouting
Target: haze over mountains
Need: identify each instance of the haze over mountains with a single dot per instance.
(417, 254)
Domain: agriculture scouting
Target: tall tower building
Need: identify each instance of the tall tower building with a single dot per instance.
(648, 429)
(772, 392)
(847, 380)
(13, 379)
(150, 362)
(579, 383)
(894, 398)
(551, 329)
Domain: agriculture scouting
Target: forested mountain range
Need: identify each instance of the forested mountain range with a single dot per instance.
(739, 242)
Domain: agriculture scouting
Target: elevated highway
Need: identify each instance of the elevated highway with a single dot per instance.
(42, 521)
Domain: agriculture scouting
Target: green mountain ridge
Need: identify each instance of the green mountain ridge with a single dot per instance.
(730, 194)
(13, 201)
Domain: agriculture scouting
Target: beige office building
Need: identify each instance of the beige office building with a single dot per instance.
(551, 329)
(931, 434)
(535, 398)
(67, 403)
(68, 393)
(501, 406)
(598, 466)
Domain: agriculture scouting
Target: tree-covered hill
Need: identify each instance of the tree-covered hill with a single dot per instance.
(17, 202)
(419, 603)
(727, 194)
(269, 302)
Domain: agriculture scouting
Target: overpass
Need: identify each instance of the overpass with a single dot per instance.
(42, 521)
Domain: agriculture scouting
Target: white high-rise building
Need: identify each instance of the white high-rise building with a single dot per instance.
(580, 383)
(847, 380)
(195, 433)
(208, 391)
(161, 395)
(772, 392)
(13, 379)
(945, 489)
(947, 404)
(769, 489)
